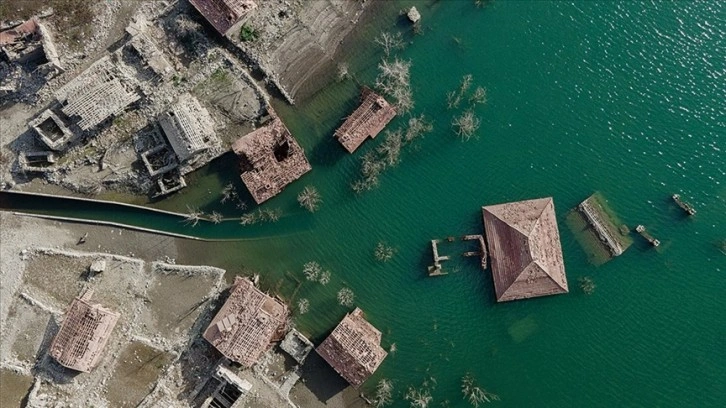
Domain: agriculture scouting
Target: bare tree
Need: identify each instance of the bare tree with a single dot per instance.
(228, 193)
(389, 42)
(215, 217)
(466, 125)
(418, 398)
(383, 252)
(324, 277)
(302, 306)
(384, 393)
(587, 285)
(311, 270)
(479, 96)
(390, 149)
(475, 394)
(346, 297)
(343, 71)
(194, 215)
(309, 198)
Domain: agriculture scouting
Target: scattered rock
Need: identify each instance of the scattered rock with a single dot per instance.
(413, 15)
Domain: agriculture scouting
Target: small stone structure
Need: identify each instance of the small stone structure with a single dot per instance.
(51, 130)
(41, 161)
(83, 334)
(188, 127)
(270, 159)
(297, 346)
(353, 349)
(413, 15)
(30, 41)
(223, 14)
(368, 120)
(147, 49)
(247, 323)
(525, 250)
(231, 391)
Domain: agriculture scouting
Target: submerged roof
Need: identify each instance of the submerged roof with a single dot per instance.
(270, 159)
(525, 250)
(249, 320)
(83, 334)
(223, 14)
(366, 121)
(353, 349)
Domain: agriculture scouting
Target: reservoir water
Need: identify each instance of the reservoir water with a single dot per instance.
(625, 98)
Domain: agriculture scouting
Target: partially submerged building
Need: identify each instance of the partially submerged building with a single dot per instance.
(525, 249)
(368, 120)
(270, 159)
(247, 323)
(353, 349)
(83, 334)
(297, 346)
(188, 127)
(223, 14)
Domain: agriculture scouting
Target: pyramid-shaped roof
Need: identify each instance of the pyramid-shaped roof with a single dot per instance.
(525, 250)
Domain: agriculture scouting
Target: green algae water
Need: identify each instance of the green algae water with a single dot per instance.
(625, 98)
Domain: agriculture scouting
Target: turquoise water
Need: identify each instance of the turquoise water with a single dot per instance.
(626, 98)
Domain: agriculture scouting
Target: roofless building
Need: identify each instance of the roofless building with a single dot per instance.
(83, 334)
(525, 250)
(223, 14)
(353, 349)
(247, 323)
(368, 120)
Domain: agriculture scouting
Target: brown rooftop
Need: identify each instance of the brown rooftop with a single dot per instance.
(525, 250)
(353, 349)
(83, 334)
(368, 120)
(247, 323)
(270, 159)
(223, 14)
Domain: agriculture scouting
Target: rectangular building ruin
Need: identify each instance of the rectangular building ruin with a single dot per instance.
(29, 42)
(99, 92)
(353, 349)
(368, 120)
(223, 14)
(188, 127)
(83, 334)
(247, 323)
(52, 130)
(297, 346)
(231, 391)
(270, 159)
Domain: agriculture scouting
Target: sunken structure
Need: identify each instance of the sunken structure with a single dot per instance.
(525, 249)
(353, 349)
(270, 159)
(247, 323)
(83, 334)
(223, 14)
(368, 120)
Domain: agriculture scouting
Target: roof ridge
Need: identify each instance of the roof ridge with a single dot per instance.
(549, 275)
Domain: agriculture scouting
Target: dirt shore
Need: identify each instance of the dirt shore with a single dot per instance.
(164, 309)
